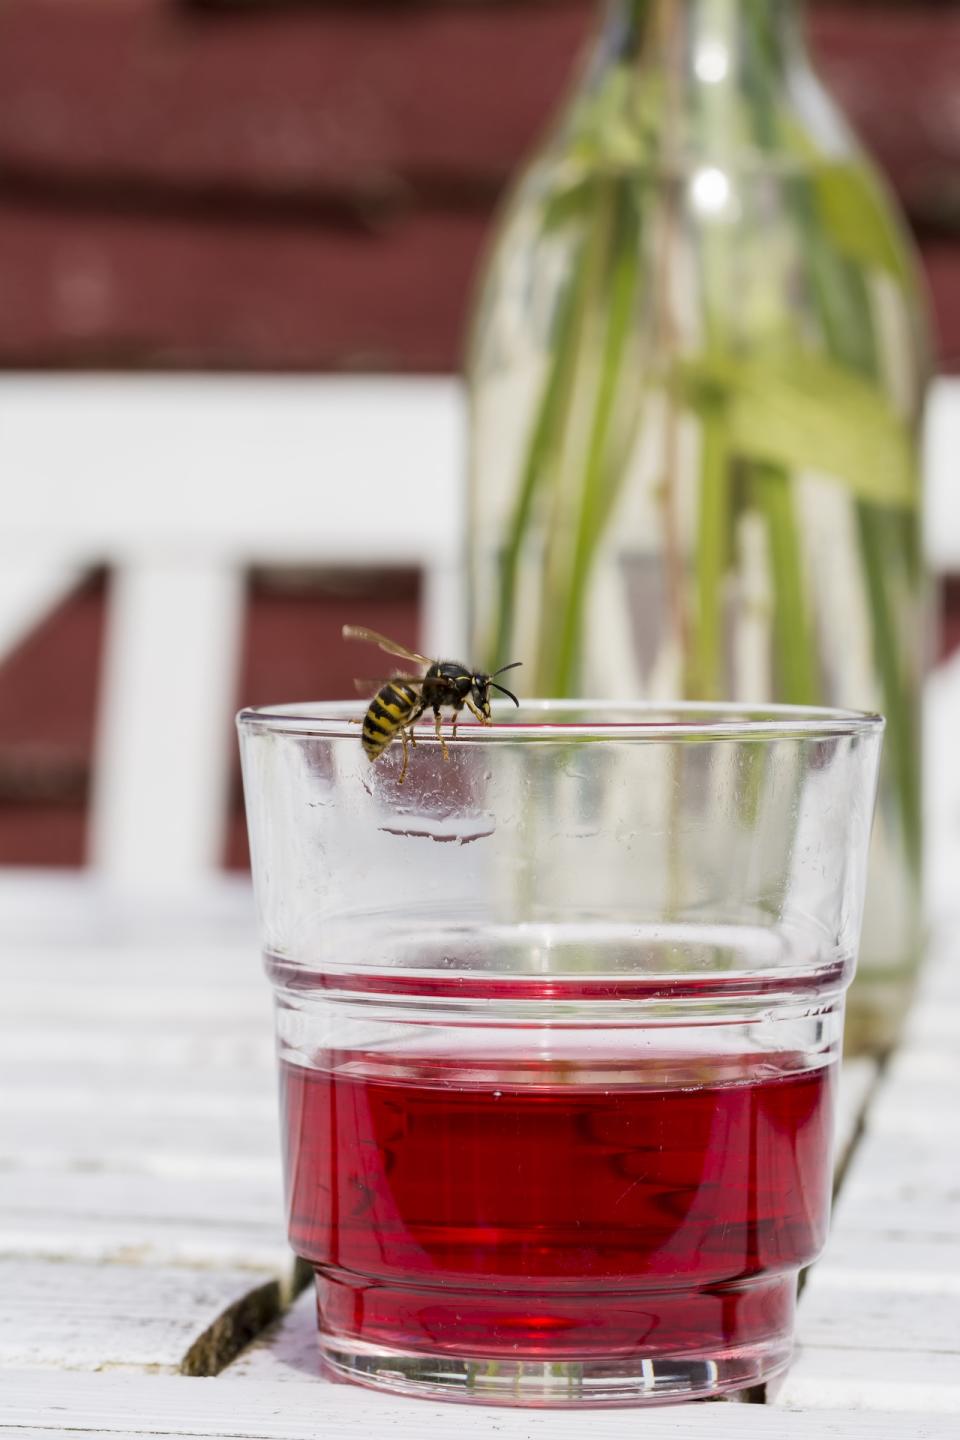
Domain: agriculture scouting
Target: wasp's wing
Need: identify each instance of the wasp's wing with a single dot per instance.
(392, 647)
(373, 687)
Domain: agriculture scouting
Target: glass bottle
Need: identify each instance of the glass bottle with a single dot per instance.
(697, 374)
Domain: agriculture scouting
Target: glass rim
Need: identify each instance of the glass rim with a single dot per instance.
(647, 721)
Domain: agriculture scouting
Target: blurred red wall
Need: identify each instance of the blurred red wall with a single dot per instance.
(308, 186)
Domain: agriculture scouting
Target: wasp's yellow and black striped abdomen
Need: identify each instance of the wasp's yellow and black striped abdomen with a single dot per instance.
(398, 704)
(393, 707)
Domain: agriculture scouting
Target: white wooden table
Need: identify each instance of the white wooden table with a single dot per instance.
(141, 1240)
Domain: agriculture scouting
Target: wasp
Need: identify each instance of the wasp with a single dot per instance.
(399, 703)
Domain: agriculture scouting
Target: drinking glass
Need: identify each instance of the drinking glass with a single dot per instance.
(559, 1019)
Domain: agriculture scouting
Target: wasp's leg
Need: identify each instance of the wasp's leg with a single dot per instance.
(406, 756)
(436, 725)
(412, 722)
(484, 719)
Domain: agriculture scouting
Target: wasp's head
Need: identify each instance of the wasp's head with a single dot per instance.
(481, 686)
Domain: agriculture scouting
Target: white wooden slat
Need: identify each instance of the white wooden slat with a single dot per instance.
(138, 1118)
(925, 1110)
(136, 1137)
(97, 1077)
(105, 1198)
(131, 1103)
(852, 1379)
(932, 1024)
(931, 1212)
(858, 1076)
(911, 1264)
(189, 965)
(64, 1002)
(110, 463)
(77, 1316)
(32, 1432)
(267, 1411)
(287, 1351)
(877, 1318)
(126, 1060)
(915, 1064)
(864, 1259)
(940, 968)
(341, 470)
(901, 1185)
(179, 1244)
(176, 999)
(889, 1165)
(170, 1045)
(443, 620)
(145, 1220)
(65, 913)
(120, 1241)
(164, 741)
(939, 982)
(113, 1116)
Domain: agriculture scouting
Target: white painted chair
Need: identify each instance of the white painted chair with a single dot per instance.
(178, 484)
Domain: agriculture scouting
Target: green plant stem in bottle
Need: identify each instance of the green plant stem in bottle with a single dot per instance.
(697, 375)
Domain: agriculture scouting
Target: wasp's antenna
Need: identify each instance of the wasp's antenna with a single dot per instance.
(503, 668)
(503, 689)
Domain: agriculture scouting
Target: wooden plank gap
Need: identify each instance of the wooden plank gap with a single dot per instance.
(233, 1331)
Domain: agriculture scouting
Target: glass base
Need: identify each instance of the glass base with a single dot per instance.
(661, 1379)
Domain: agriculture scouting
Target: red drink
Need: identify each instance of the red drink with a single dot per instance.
(544, 1209)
